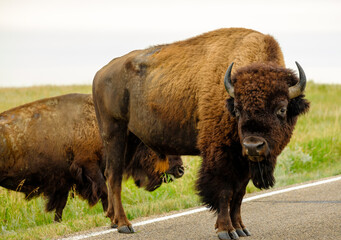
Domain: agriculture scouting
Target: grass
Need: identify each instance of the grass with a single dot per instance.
(314, 152)
(12, 97)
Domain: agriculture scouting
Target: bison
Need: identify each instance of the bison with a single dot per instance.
(185, 98)
(51, 145)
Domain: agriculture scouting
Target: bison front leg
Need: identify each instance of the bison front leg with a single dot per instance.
(57, 201)
(224, 225)
(235, 211)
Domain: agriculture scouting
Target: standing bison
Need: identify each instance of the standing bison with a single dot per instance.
(50, 145)
(173, 99)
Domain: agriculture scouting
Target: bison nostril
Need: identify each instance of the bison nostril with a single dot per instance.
(260, 146)
(180, 172)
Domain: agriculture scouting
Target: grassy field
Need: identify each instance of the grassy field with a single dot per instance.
(314, 152)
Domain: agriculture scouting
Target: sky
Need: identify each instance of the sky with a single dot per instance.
(45, 42)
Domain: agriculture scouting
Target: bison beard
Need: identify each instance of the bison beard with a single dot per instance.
(262, 174)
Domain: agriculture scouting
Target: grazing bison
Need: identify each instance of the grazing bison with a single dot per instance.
(173, 99)
(50, 145)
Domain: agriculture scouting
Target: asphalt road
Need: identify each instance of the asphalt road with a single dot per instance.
(308, 213)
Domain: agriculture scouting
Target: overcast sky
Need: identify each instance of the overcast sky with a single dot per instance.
(66, 42)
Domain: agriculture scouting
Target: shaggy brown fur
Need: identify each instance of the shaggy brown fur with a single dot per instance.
(172, 98)
(50, 145)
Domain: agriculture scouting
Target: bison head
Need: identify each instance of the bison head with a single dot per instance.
(153, 170)
(265, 101)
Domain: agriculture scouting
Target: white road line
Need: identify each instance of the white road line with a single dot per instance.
(292, 189)
(93, 234)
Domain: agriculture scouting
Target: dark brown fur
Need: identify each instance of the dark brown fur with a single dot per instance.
(172, 98)
(50, 145)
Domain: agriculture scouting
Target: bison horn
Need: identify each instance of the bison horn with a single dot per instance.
(227, 81)
(298, 89)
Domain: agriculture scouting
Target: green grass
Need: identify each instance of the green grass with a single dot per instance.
(314, 152)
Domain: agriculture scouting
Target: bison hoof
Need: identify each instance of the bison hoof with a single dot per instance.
(226, 235)
(113, 225)
(126, 229)
(243, 232)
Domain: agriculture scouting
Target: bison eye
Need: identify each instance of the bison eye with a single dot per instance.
(282, 112)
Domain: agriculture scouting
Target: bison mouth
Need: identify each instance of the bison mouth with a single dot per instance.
(255, 158)
(262, 173)
(167, 178)
(155, 182)
(172, 174)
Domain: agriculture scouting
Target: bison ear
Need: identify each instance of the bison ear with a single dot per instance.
(230, 106)
(298, 106)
